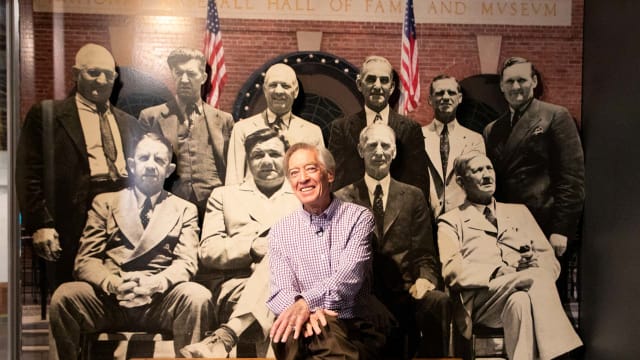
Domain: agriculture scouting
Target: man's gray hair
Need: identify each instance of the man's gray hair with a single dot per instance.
(325, 157)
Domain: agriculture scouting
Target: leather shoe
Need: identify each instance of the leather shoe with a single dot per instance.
(210, 347)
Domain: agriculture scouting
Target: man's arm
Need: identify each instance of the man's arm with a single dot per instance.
(225, 248)
(236, 156)
(414, 161)
(338, 148)
(421, 260)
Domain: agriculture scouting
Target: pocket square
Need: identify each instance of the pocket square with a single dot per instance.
(538, 130)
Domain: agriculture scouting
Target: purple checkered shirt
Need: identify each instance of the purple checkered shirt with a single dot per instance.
(326, 259)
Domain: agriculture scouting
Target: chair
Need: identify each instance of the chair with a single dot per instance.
(121, 345)
(480, 332)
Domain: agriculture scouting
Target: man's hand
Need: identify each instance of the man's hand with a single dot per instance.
(527, 260)
(317, 319)
(503, 270)
(149, 285)
(46, 244)
(290, 321)
(259, 248)
(136, 289)
(420, 288)
(558, 243)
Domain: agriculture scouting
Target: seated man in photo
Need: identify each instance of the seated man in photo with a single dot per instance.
(406, 270)
(234, 244)
(496, 257)
(137, 255)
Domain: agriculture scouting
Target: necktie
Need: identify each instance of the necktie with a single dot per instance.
(489, 215)
(190, 110)
(377, 119)
(144, 214)
(108, 143)
(378, 209)
(444, 149)
(514, 119)
(278, 125)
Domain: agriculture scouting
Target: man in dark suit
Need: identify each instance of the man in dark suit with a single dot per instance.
(406, 268)
(198, 132)
(538, 157)
(137, 254)
(376, 84)
(68, 152)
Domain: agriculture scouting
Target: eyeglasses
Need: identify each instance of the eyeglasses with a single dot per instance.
(371, 79)
(95, 73)
(309, 169)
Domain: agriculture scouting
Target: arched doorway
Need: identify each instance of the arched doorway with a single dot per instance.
(327, 89)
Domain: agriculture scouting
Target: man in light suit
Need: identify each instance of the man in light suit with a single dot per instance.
(280, 89)
(69, 151)
(498, 261)
(405, 266)
(137, 254)
(444, 140)
(376, 84)
(234, 243)
(199, 133)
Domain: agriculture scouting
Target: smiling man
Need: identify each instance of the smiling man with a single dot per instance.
(501, 267)
(234, 244)
(69, 151)
(198, 132)
(375, 83)
(280, 89)
(320, 261)
(538, 159)
(138, 253)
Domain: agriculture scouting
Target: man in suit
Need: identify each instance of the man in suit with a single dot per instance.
(137, 254)
(68, 152)
(234, 243)
(376, 84)
(498, 261)
(198, 132)
(538, 159)
(444, 140)
(280, 89)
(405, 266)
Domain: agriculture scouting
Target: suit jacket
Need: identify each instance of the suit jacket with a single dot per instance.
(467, 244)
(300, 130)
(409, 166)
(445, 193)
(114, 240)
(237, 216)
(406, 249)
(540, 163)
(53, 174)
(165, 118)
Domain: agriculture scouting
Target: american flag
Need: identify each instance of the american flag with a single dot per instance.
(214, 52)
(409, 74)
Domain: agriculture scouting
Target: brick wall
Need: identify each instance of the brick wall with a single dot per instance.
(556, 51)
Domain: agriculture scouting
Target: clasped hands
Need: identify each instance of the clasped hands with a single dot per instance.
(46, 244)
(298, 319)
(137, 289)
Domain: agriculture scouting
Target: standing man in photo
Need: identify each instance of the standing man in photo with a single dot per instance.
(280, 88)
(198, 132)
(538, 159)
(376, 84)
(69, 151)
(444, 140)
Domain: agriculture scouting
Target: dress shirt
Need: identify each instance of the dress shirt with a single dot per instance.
(140, 198)
(371, 188)
(439, 125)
(90, 123)
(324, 258)
(371, 115)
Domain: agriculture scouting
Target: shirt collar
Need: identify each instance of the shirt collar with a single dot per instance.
(371, 183)
(84, 104)
(199, 106)
(327, 214)
(371, 115)
(140, 198)
(286, 118)
(439, 125)
(492, 206)
(250, 185)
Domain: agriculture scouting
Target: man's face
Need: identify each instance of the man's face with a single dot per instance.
(265, 163)
(378, 151)
(95, 76)
(309, 180)
(445, 99)
(479, 181)
(150, 166)
(517, 84)
(280, 89)
(189, 79)
(376, 85)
